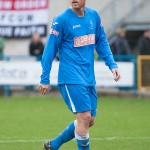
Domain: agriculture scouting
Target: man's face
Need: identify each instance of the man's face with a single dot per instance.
(77, 4)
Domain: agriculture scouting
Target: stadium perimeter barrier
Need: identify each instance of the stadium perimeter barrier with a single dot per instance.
(20, 70)
(131, 58)
(13, 63)
(128, 59)
(7, 87)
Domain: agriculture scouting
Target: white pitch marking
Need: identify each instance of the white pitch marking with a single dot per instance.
(93, 139)
(121, 138)
(20, 141)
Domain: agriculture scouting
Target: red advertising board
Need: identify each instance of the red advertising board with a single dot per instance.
(21, 18)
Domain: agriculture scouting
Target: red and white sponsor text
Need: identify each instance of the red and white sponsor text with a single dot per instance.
(84, 40)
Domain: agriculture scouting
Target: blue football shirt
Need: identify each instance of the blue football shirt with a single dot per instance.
(75, 38)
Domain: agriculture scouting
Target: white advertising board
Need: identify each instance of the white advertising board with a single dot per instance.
(104, 77)
(28, 73)
(24, 73)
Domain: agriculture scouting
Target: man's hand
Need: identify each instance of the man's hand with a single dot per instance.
(116, 74)
(44, 88)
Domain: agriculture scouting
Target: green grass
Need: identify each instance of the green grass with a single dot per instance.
(121, 124)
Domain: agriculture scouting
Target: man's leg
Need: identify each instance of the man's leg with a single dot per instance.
(66, 135)
(81, 130)
(79, 100)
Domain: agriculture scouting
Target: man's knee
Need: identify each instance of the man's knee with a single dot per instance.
(87, 117)
(84, 117)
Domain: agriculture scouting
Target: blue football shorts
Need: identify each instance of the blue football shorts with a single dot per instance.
(80, 98)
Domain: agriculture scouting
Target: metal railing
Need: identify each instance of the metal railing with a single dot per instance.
(117, 11)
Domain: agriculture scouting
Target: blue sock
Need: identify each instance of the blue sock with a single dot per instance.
(65, 136)
(82, 141)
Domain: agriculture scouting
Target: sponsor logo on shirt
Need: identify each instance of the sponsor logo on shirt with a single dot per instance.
(84, 40)
(52, 31)
(76, 26)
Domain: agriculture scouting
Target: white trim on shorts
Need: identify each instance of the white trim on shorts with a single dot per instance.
(71, 102)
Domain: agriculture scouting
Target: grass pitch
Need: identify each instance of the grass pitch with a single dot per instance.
(26, 122)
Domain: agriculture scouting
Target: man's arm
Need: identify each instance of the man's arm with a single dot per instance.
(103, 49)
(51, 47)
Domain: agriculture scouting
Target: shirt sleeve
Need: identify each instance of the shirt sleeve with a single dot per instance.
(51, 47)
(102, 45)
